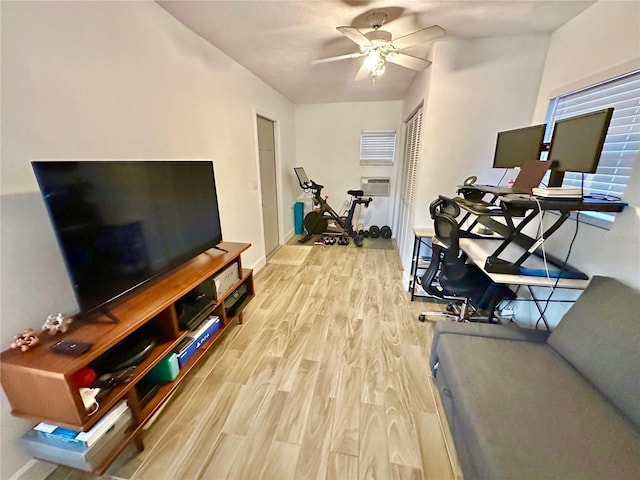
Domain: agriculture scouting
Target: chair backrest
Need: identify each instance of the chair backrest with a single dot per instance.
(444, 204)
(448, 233)
(438, 250)
(445, 259)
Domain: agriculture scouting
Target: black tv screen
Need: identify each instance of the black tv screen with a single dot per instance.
(120, 224)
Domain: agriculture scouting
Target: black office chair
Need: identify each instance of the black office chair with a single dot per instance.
(428, 280)
(450, 277)
(444, 204)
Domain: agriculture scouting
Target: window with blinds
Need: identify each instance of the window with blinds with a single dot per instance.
(377, 147)
(622, 143)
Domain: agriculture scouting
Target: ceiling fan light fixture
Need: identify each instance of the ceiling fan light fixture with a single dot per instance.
(379, 70)
(374, 63)
(378, 47)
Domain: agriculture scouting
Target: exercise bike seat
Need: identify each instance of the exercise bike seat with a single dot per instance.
(355, 193)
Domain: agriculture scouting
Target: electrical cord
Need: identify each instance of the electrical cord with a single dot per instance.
(564, 263)
(542, 239)
(562, 269)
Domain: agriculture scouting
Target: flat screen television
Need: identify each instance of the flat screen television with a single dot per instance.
(515, 147)
(120, 224)
(576, 144)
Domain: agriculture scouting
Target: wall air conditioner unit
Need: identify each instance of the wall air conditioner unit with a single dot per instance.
(375, 186)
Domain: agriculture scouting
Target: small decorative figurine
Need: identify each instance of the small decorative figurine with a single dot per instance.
(56, 322)
(25, 340)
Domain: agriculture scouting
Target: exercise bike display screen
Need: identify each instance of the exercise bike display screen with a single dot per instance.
(302, 176)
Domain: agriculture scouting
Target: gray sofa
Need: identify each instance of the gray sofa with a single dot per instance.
(524, 404)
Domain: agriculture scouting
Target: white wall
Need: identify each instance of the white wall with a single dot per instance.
(600, 43)
(117, 80)
(475, 88)
(417, 94)
(328, 147)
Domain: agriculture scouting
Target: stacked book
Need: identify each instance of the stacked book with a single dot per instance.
(558, 192)
(84, 439)
(81, 450)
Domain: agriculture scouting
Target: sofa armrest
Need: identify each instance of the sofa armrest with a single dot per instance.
(487, 330)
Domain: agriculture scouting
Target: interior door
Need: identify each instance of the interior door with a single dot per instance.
(267, 157)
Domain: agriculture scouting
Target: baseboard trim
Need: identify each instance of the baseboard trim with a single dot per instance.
(262, 261)
(289, 235)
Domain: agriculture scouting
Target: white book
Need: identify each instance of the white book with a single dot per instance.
(557, 192)
(84, 438)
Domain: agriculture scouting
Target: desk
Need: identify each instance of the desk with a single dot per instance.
(420, 262)
(527, 208)
(477, 250)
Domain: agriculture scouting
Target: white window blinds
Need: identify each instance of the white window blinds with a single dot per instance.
(622, 144)
(377, 147)
(411, 151)
(407, 183)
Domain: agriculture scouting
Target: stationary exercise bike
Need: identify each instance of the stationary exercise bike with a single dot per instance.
(317, 221)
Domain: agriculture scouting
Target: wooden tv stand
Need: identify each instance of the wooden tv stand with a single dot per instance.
(38, 383)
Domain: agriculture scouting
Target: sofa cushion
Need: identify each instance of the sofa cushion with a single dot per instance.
(518, 410)
(600, 337)
(489, 330)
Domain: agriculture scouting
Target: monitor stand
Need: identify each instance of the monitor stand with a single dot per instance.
(556, 178)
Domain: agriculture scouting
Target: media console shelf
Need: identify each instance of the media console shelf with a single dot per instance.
(38, 383)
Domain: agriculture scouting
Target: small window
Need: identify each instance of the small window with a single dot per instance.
(621, 146)
(377, 147)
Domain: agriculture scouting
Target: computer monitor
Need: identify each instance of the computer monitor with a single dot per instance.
(577, 143)
(515, 147)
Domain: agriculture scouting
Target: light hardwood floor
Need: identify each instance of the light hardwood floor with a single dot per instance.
(327, 378)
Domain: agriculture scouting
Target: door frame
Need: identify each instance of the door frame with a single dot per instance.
(276, 142)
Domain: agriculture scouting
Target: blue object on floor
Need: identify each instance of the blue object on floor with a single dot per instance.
(298, 216)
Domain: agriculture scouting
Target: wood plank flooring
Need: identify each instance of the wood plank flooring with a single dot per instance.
(326, 379)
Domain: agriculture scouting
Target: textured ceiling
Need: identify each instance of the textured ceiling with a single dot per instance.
(277, 40)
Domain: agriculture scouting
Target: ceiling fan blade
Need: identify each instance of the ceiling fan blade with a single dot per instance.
(362, 73)
(421, 36)
(408, 61)
(339, 57)
(354, 35)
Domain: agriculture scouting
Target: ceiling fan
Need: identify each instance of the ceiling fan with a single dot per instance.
(379, 46)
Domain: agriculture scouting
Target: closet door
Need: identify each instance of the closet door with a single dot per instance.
(267, 157)
(408, 183)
